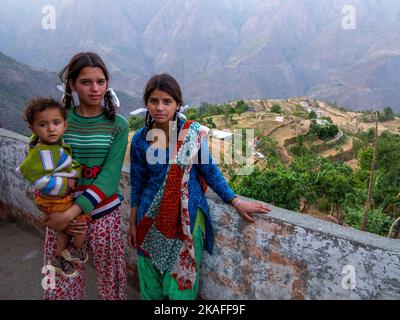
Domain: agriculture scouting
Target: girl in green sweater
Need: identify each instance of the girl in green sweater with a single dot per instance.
(98, 137)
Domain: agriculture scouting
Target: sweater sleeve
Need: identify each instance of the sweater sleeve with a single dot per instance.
(212, 174)
(52, 186)
(38, 168)
(138, 171)
(107, 181)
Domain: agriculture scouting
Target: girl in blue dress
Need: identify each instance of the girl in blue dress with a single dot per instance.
(170, 222)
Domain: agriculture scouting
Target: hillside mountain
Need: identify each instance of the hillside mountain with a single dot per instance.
(223, 50)
(20, 82)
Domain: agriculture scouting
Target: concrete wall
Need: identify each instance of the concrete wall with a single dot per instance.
(284, 255)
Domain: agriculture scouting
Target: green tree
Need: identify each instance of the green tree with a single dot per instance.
(300, 149)
(364, 157)
(135, 123)
(306, 169)
(276, 108)
(387, 184)
(334, 182)
(203, 109)
(275, 185)
(193, 114)
(312, 115)
(386, 115)
(267, 146)
(209, 123)
(388, 167)
(241, 107)
(228, 112)
(325, 131)
(378, 222)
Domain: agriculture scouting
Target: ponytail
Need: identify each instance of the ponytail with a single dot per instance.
(109, 106)
(148, 120)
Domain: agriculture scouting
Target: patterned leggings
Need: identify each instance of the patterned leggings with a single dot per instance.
(104, 243)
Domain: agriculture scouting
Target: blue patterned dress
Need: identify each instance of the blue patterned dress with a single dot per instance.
(147, 177)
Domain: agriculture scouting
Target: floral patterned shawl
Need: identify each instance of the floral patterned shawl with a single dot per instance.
(163, 234)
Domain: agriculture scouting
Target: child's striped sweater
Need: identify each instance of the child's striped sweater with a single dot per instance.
(48, 167)
(99, 145)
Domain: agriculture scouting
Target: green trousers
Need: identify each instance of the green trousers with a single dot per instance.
(155, 285)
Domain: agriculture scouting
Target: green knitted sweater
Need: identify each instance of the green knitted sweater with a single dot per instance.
(99, 145)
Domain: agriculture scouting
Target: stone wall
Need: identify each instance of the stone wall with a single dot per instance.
(284, 255)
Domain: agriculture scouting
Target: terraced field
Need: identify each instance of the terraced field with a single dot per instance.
(294, 124)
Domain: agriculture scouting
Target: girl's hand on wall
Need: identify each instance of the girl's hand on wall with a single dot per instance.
(244, 208)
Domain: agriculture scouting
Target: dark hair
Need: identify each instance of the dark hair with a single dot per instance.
(166, 83)
(40, 104)
(71, 72)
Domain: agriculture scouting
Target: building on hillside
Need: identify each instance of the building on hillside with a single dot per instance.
(322, 122)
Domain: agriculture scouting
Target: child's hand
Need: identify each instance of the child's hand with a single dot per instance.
(71, 183)
(244, 208)
(59, 221)
(76, 228)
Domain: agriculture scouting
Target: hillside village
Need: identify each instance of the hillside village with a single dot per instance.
(287, 123)
(292, 121)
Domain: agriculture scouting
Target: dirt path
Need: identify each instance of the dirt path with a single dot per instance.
(331, 152)
(280, 135)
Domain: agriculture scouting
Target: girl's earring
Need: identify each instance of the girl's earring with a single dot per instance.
(75, 99)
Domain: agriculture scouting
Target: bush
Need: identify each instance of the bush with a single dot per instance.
(209, 123)
(386, 115)
(378, 222)
(299, 150)
(324, 205)
(208, 110)
(367, 117)
(267, 147)
(273, 185)
(312, 115)
(301, 114)
(241, 107)
(276, 108)
(324, 132)
(135, 123)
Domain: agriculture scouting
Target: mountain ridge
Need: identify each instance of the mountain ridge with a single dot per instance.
(224, 50)
(20, 82)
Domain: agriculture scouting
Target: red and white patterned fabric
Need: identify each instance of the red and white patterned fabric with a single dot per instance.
(105, 246)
